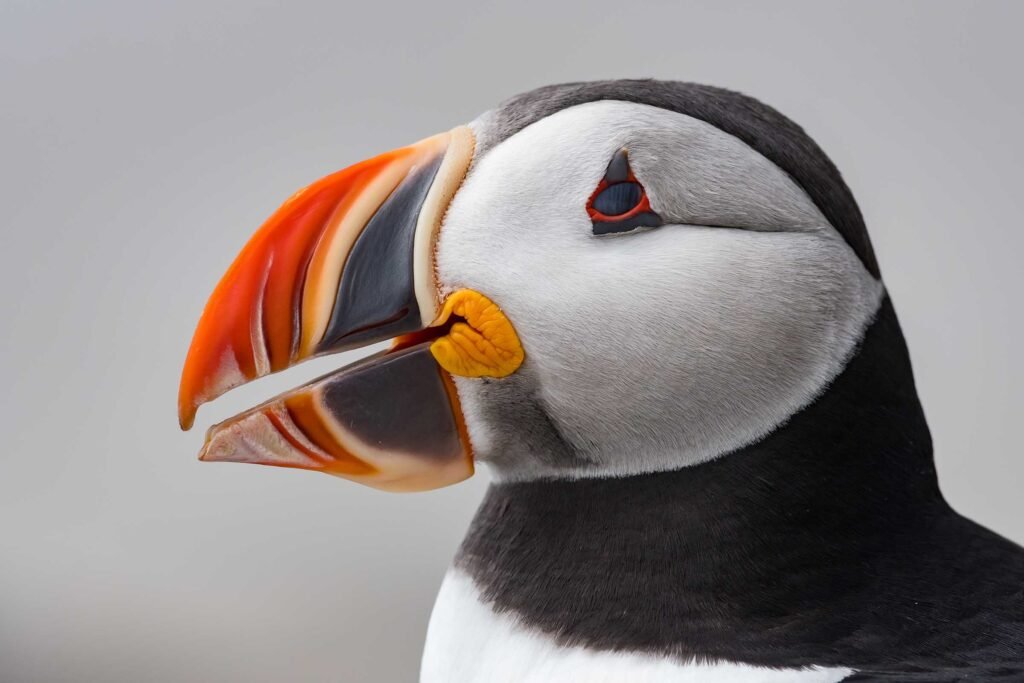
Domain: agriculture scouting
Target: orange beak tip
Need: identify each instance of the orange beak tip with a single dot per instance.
(187, 409)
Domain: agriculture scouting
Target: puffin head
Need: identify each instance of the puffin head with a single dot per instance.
(595, 279)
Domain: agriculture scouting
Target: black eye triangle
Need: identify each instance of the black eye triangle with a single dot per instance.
(618, 168)
(619, 203)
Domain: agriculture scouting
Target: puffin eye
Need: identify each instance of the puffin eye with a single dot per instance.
(619, 203)
(618, 199)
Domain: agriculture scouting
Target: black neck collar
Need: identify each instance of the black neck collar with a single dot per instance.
(776, 554)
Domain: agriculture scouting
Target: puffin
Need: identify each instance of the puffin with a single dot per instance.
(652, 309)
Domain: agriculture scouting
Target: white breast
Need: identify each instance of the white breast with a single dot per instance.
(467, 642)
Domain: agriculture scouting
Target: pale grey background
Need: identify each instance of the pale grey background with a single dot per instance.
(141, 143)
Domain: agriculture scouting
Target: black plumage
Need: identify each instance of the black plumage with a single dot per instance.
(826, 543)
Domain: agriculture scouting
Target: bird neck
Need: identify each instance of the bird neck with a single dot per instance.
(797, 512)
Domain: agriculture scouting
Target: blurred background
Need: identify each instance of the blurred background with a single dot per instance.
(142, 143)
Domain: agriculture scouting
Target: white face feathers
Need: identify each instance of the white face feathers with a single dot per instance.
(659, 348)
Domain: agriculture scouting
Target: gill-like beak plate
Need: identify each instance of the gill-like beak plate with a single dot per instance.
(343, 263)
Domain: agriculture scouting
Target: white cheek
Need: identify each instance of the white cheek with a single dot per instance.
(653, 350)
(701, 344)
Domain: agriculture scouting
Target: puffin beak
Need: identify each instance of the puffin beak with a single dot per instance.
(347, 262)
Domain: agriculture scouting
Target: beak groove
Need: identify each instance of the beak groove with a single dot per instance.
(345, 262)
(391, 422)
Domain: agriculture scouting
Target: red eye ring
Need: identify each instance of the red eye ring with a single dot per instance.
(619, 203)
(643, 205)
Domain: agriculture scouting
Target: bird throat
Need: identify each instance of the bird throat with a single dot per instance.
(765, 555)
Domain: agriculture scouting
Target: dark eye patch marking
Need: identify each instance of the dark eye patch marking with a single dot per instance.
(618, 168)
(619, 203)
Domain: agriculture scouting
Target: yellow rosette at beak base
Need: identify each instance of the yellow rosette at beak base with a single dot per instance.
(482, 344)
